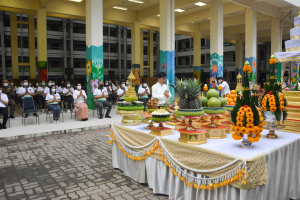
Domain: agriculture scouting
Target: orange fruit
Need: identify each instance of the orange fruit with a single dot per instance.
(233, 92)
(232, 103)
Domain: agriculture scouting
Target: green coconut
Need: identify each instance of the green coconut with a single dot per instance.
(204, 101)
(214, 102)
(223, 101)
(212, 93)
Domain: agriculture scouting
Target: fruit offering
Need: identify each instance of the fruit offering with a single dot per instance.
(188, 91)
(231, 98)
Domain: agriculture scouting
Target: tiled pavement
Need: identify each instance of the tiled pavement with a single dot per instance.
(68, 166)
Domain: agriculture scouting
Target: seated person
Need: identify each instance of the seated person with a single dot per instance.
(3, 108)
(68, 96)
(81, 109)
(53, 99)
(160, 90)
(24, 92)
(10, 95)
(144, 93)
(100, 96)
(111, 97)
(121, 91)
(42, 91)
(36, 97)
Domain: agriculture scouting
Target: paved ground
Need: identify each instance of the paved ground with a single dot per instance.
(68, 166)
(17, 128)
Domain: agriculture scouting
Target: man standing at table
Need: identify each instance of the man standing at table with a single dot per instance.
(160, 90)
(225, 86)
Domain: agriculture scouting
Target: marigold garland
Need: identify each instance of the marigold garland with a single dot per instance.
(252, 131)
(241, 173)
(247, 67)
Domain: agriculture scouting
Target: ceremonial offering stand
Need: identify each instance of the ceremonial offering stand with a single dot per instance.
(192, 135)
(214, 131)
(161, 130)
(131, 109)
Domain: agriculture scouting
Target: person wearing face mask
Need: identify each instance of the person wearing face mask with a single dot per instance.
(12, 85)
(121, 91)
(60, 92)
(224, 84)
(111, 96)
(42, 95)
(81, 109)
(25, 92)
(160, 90)
(68, 98)
(10, 95)
(3, 108)
(37, 97)
(100, 99)
(144, 93)
(126, 85)
(53, 99)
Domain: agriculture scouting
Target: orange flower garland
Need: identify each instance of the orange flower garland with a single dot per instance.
(247, 67)
(252, 131)
(281, 100)
(220, 87)
(205, 88)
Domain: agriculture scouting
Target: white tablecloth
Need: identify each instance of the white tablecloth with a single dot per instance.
(283, 163)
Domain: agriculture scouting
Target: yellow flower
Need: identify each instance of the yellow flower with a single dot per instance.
(249, 114)
(250, 131)
(272, 61)
(239, 119)
(250, 120)
(249, 125)
(256, 129)
(88, 67)
(272, 104)
(261, 119)
(241, 114)
(239, 124)
(248, 109)
(243, 130)
(242, 109)
(273, 108)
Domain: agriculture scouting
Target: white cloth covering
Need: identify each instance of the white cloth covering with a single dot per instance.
(283, 176)
(158, 92)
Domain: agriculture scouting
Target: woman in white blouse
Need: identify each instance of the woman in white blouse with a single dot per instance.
(81, 109)
(53, 99)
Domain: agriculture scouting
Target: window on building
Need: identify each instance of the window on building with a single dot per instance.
(79, 62)
(202, 58)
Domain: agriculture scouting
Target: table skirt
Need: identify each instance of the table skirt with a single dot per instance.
(283, 180)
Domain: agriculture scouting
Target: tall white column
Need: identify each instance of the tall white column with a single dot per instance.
(251, 41)
(197, 55)
(276, 38)
(216, 40)
(167, 40)
(239, 55)
(94, 47)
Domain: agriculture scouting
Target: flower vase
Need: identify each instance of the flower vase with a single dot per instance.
(246, 143)
(272, 126)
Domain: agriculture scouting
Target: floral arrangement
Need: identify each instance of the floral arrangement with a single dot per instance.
(273, 99)
(246, 115)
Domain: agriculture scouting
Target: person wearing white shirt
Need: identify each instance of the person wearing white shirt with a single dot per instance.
(115, 86)
(160, 90)
(121, 91)
(25, 92)
(53, 99)
(109, 90)
(42, 95)
(68, 96)
(144, 93)
(224, 84)
(10, 95)
(100, 99)
(81, 109)
(36, 97)
(3, 108)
